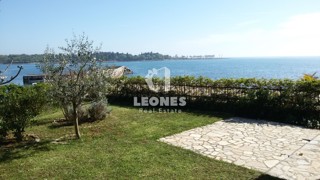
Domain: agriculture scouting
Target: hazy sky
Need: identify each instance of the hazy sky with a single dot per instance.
(183, 27)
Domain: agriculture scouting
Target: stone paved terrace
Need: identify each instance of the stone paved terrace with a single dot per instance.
(277, 149)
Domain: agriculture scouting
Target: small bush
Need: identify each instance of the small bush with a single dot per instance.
(98, 110)
(18, 105)
(83, 114)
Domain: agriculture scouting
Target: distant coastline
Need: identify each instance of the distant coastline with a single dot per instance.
(187, 59)
(108, 57)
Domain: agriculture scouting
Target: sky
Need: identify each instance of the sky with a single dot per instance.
(228, 28)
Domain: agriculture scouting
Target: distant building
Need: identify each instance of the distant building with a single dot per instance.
(209, 56)
(202, 57)
(32, 79)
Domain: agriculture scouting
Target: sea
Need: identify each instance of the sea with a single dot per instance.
(267, 68)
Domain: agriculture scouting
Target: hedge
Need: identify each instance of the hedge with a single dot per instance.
(282, 100)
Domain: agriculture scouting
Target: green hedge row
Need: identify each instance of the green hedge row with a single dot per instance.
(282, 100)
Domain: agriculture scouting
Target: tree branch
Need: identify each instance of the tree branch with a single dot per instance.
(13, 77)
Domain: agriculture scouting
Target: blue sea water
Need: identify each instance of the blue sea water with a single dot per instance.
(291, 68)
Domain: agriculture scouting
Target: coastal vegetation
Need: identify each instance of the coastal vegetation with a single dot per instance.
(116, 56)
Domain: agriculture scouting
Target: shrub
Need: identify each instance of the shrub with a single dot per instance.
(82, 113)
(18, 105)
(98, 110)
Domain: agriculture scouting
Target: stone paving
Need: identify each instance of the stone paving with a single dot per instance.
(277, 149)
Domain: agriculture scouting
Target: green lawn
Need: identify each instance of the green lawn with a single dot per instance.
(123, 146)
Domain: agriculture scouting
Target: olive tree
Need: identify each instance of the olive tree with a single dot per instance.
(74, 75)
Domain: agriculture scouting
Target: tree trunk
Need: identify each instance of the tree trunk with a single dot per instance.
(76, 121)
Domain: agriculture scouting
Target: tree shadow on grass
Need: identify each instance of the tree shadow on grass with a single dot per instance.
(9, 152)
(62, 122)
(42, 122)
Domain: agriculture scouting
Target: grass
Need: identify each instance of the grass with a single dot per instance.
(123, 146)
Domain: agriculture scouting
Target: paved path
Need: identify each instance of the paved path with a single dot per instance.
(280, 150)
